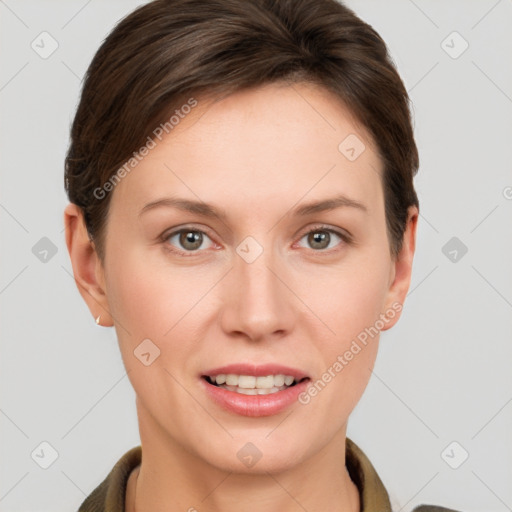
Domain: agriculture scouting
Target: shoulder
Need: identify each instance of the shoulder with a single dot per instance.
(373, 494)
(109, 495)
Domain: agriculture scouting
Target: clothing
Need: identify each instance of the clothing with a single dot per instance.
(110, 494)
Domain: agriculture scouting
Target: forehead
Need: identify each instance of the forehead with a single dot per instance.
(284, 116)
(274, 143)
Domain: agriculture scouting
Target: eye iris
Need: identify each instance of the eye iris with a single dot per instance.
(193, 237)
(316, 237)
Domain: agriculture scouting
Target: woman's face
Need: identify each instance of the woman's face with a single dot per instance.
(251, 287)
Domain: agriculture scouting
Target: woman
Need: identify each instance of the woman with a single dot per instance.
(242, 211)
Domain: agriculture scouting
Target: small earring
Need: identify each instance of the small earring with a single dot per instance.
(98, 320)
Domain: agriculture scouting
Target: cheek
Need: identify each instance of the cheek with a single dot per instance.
(351, 299)
(133, 301)
(144, 296)
(150, 299)
(350, 305)
(148, 304)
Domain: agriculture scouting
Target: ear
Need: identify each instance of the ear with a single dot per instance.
(400, 272)
(87, 266)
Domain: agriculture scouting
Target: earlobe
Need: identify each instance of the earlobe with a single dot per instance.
(402, 270)
(87, 267)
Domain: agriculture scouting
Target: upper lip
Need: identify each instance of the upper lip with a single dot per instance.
(257, 370)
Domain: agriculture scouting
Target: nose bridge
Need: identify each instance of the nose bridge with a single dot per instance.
(259, 305)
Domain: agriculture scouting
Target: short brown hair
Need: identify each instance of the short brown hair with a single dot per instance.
(168, 50)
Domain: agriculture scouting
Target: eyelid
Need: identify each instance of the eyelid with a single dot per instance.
(187, 227)
(325, 227)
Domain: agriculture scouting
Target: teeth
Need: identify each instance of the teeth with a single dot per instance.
(251, 383)
(279, 380)
(247, 391)
(247, 381)
(266, 382)
(255, 391)
(220, 379)
(288, 380)
(231, 380)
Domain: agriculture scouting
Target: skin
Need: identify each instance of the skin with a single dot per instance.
(256, 154)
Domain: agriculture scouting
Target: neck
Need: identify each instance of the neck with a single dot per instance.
(181, 480)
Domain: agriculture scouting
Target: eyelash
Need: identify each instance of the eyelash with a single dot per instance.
(166, 236)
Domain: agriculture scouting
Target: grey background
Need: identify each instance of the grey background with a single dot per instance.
(443, 372)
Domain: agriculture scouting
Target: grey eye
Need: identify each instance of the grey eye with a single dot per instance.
(320, 239)
(188, 239)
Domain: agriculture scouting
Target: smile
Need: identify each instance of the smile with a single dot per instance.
(254, 390)
(253, 385)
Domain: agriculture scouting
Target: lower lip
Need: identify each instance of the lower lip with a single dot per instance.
(254, 405)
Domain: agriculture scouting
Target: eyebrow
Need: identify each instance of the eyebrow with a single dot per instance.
(208, 210)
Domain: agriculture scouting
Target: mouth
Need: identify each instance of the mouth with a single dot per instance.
(252, 384)
(254, 390)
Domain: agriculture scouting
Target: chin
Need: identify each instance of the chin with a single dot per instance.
(256, 455)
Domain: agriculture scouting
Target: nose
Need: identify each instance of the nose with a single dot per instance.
(258, 303)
